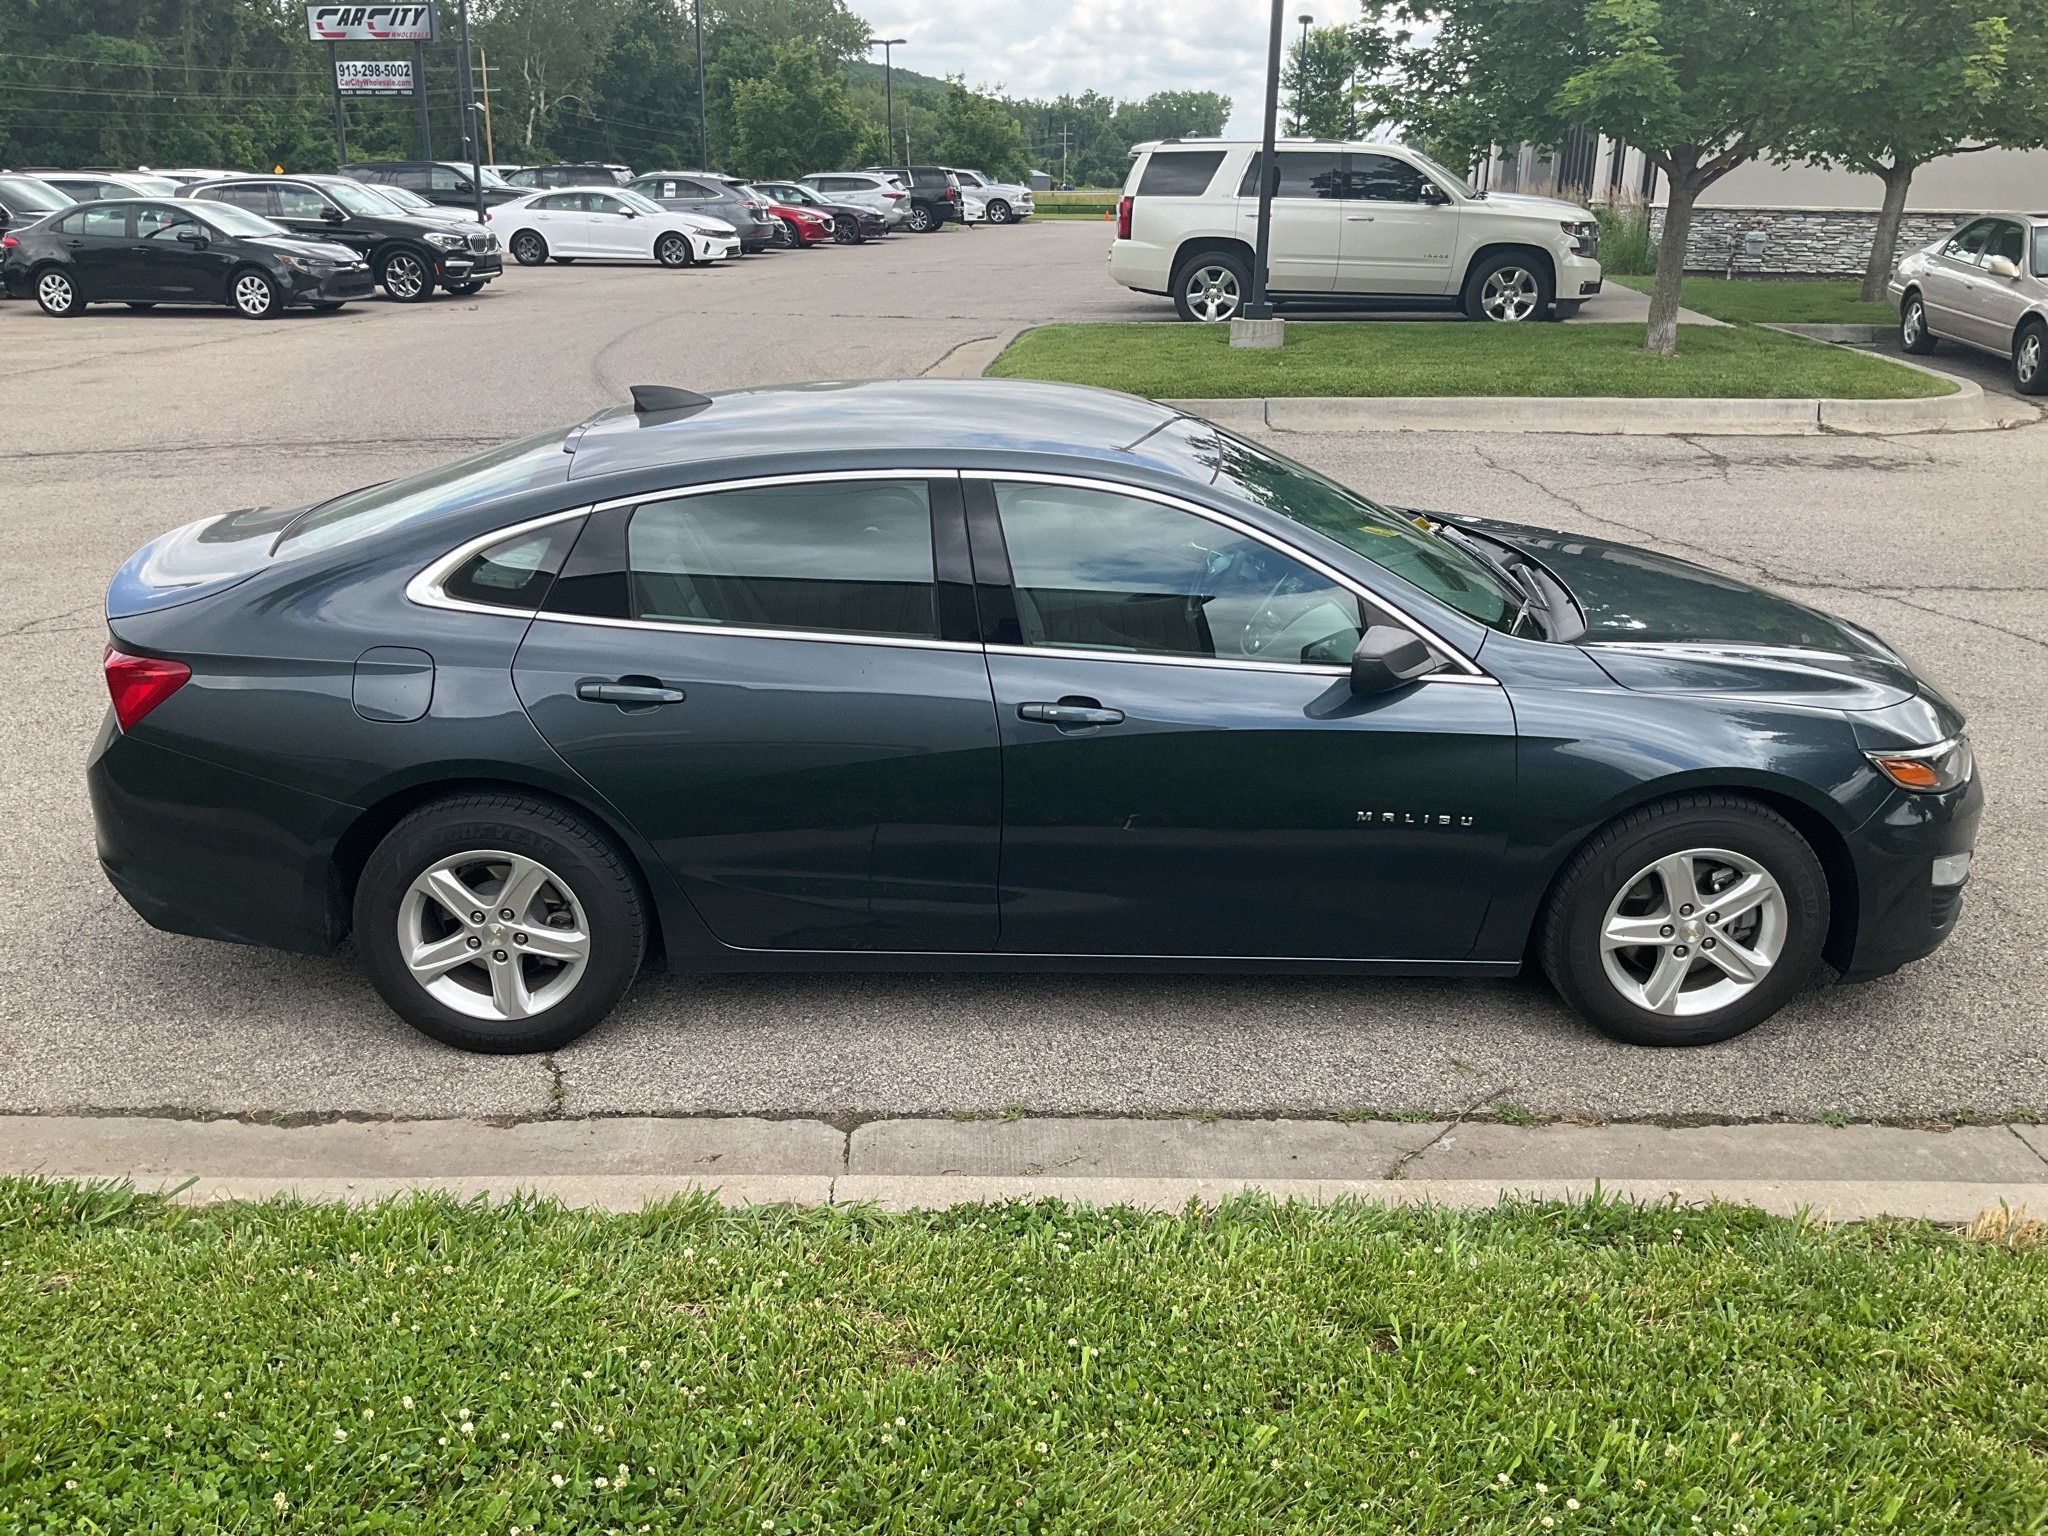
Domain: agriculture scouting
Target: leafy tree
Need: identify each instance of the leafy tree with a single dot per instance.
(1891, 85)
(795, 117)
(1319, 80)
(544, 58)
(981, 133)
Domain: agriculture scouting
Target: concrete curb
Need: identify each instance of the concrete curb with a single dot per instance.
(1817, 331)
(904, 1164)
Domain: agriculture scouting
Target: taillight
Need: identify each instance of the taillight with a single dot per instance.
(1123, 219)
(8, 242)
(139, 683)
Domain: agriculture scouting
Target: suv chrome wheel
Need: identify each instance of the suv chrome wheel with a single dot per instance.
(1212, 292)
(493, 935)
(1510, 293)
(1694, 932)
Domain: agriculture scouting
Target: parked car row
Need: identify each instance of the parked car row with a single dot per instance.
(260, 244)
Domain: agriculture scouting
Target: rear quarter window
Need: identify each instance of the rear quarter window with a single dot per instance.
(1179, 173)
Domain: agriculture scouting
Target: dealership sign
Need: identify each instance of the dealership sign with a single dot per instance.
(373, 77)
(370, 23)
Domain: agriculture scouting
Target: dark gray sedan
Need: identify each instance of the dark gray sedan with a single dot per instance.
(695, 192)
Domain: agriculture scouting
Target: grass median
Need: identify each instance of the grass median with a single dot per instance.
(1397, 357)
(429, 1366)
(1818, 301)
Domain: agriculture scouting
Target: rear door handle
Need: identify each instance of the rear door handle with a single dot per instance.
(1358, 218)
(1070, 716)
(628, 693)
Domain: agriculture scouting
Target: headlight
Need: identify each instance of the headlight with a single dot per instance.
(1929, 770)
(447, 242)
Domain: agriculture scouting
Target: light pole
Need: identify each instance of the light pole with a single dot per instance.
(469, 122)
(703, 130)
(887, 44)
(1301, 76)
(1258, 327)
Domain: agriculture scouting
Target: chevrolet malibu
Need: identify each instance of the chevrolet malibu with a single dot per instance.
(1071, 681)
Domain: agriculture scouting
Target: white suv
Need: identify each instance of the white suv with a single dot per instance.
(1350, 221)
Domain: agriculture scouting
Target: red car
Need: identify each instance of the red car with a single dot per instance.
(800, 226)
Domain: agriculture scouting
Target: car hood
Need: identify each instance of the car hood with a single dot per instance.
(1525, 202)
(300, 245)
(1660, 624)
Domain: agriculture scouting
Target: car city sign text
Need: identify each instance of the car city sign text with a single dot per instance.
(370, 23)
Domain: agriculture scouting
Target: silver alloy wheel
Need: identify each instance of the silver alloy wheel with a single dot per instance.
(405, 276)
(1694, 932)
(1212, 293)
(254, 296)
(493, 935)
(2026, 362)
(999, 212)
(674, 251)
(54, 291)
(1510, 293)
(1910, 324)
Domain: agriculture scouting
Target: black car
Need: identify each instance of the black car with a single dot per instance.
(588, 173)
(851, 223)
(24, 199)
(712, 196)
(409, 254)
(997, 675)
(934, 194)
(147, 252)
(446, 182)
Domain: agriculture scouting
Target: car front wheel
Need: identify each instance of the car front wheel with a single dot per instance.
(406, 277)
(1686, 922)
(254, 296)
(2030, 360)
(58, 294)
(499, 922)
(999, 212)
(1212, 288)
(1508, 288)
(1914, 336)
(672, 250)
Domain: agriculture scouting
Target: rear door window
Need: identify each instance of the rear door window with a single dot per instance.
(109, 223)
(1303, 173)
(1179, 173)
(848, 557)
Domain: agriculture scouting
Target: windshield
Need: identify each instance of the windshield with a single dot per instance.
(353, 196)
(636, 201)
(1451, 179)
(34, 196)
(230, 220)
(152, 186)
(493, 179)
(399, 197)
(500, 471)
(1385, 537)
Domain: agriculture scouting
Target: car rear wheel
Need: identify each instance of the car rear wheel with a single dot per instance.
(529, 249)
(58, 294)
(1686, 922)
(920, 220)
(1508, 288)
(253, 296)
(406, 277)
(1914, 336)
(1212, 288)
(2030, 360)
(499, 922)
(672, 250)
(999, 212)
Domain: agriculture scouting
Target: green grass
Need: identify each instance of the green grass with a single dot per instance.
(431, 1367)
(1196, 362)
(1793, 300)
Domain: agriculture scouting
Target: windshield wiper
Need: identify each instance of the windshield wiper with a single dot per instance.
(1515, 583)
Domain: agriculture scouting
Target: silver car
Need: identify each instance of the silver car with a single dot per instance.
(1985, 286)
(1007, 202)
(863, 189)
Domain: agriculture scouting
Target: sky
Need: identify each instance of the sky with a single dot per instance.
(1119, 47)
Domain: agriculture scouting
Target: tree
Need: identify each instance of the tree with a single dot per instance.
(1894, 84)
(981, 133)
(1320, 81)
(795, 117)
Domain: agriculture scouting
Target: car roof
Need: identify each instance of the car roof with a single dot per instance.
(938, 416)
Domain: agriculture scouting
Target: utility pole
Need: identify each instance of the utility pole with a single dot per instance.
(1257, 326)
(703, 122)
(476, 169)
(483, 63)
(340, 121)
(888, 45)
(419, 86)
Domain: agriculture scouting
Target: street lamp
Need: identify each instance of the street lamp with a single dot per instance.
(1255, 325)
(886, 44)
(703, 124)
(1301, 75)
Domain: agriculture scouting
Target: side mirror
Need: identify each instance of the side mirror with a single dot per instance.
(2002, 266)
(1434, 195)
(1389, 657)
(194, 239)
(335, 216)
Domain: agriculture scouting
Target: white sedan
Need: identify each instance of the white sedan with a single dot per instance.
(610, 224)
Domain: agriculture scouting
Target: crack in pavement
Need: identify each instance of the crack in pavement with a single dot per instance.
(1399, 1170)
(2038, 1153)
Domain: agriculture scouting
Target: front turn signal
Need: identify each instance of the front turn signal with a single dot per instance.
(1928, 770)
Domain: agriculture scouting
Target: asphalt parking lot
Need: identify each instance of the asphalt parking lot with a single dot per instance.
(121, 425)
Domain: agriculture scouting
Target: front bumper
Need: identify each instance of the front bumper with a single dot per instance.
(1578, 277)
(332, 287)
(470, 266)
(1901, 915)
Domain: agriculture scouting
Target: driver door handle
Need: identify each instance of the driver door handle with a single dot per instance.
(1358, 218)
(1069, 716)
(628, 693)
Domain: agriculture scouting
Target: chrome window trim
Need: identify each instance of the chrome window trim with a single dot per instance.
(1257, 535)
(756, 482)
(425, 588)
(1227, 663)
(813, 636)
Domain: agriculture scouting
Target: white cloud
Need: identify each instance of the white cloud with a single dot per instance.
(1123, 48)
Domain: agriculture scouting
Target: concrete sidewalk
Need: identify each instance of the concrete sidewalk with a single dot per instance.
(1849, 1173)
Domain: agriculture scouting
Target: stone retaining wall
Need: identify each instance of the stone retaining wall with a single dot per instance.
(1798, 242)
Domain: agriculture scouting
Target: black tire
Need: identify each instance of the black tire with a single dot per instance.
(785, 235)
(921, 220)
(464, 290)
(999, 212)
(406, 277)
(1914, 337)
(2030, 359)
(1509, 288)
(142, 304)
(845, 232)
(589, 881)
(254, 295)
(1617, 870)
(672, 249)
(1212, 287)
(529, 248)
(57, 293)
